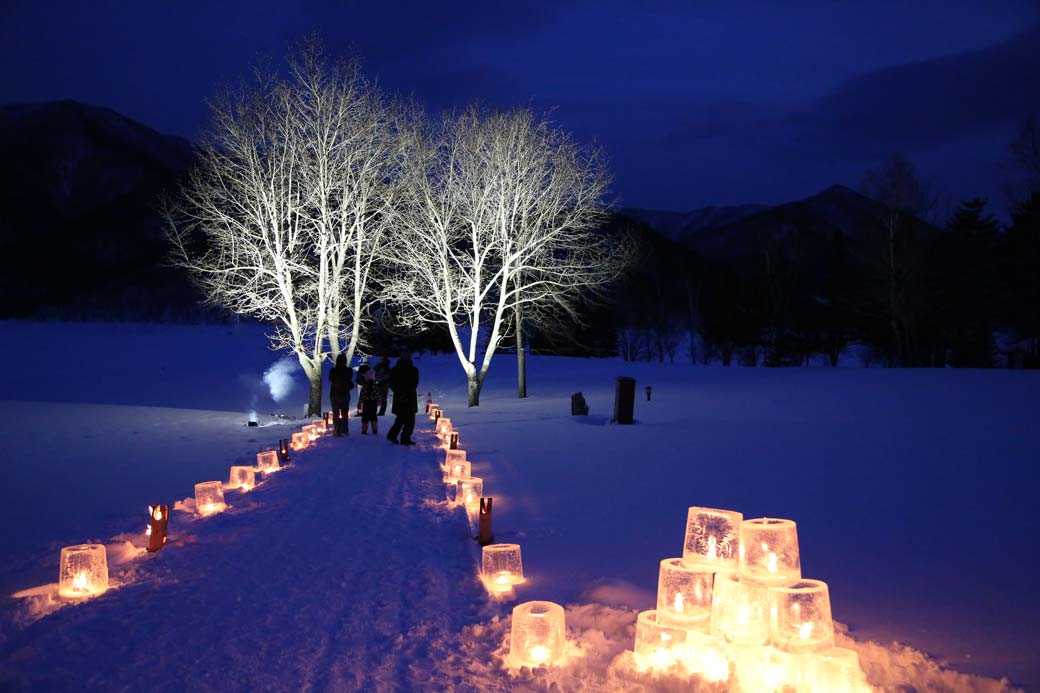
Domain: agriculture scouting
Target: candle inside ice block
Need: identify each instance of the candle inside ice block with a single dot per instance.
(684, 594)
(537, 636)
(801, 617)
(501, 567)
(712, 537)
(83, 571)
(740, 610)
(658, 644)
(768, 552)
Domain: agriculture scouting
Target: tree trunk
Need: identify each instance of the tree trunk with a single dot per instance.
(314, 403)
(473, 385)
(333, 334)
(521, 358)
(893, 291)
(313, 373)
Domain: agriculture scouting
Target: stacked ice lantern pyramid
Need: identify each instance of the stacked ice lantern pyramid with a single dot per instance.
(735, 605)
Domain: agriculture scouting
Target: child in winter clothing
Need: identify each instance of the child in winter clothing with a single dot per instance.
(369, 401)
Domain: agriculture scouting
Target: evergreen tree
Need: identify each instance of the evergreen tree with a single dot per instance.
(968, 285)
(1023, 241)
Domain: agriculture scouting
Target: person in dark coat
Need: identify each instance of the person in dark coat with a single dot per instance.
(359, 376)
(404, 378)
(342, 379)
(369, 401)
(383, 381)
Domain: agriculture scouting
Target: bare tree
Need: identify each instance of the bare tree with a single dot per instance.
(1024, 178)
(352, 174)
(560, 263)
(896, 185)
(279, 218)
(498, 226)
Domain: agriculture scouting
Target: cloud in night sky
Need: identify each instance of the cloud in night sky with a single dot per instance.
(695, 104)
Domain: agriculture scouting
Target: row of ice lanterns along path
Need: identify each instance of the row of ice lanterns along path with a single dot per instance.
(734, 603)
(83, 570)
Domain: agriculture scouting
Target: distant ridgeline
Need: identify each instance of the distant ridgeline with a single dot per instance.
(801, 281)
(79, 230)
(751, 284)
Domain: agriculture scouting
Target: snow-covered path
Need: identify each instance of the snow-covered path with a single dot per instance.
(348, 590)
(913, 490)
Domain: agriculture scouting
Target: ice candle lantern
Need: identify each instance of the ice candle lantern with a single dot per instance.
(501, 567)
(835, 670)
(469, 491)
(801, 617)
(436, 414)
(158, 521)
(658, 645)
(267, 461)
(209, 498)
(712, 537)
(319, 425)
(300, 440)
(443, 426)
(311, 432)
(453, 456)
(684, 595)
(537, 637)
(764, 670)
(453, 440)
(457, 471)
(430, 406)
(768, 552)
(243, 478)
(83, 571)
(740, 610)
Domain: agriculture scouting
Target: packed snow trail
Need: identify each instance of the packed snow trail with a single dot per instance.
(335, 574)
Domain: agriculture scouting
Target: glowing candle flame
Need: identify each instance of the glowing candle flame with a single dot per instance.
(503, 578)
(539, 653)
(679, 599)
(79, 583)
(805, 630)
(744, 615)
(157, 514)
(771, 562)
(711, 549)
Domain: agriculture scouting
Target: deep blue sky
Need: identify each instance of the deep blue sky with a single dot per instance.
(696, 103)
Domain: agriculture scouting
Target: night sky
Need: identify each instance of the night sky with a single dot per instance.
(696, 103)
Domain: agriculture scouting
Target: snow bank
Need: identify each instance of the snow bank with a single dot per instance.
(913, 491)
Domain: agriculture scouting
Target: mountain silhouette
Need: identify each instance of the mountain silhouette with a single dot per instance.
(79, 190)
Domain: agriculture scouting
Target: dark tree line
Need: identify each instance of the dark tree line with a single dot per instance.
(908, 292)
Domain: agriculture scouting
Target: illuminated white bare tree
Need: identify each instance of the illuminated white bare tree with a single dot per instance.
(279, 219)
(352, 172)
(500, 212)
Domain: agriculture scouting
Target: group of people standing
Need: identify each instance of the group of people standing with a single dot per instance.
(375, 384)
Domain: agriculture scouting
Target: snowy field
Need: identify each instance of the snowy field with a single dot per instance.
(914, 493)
